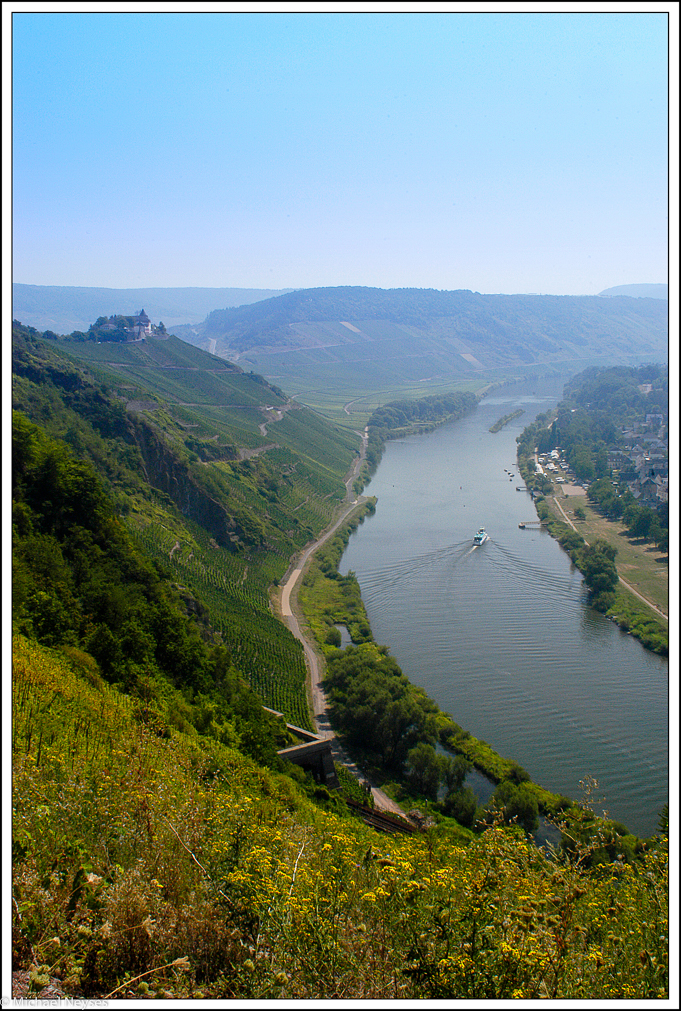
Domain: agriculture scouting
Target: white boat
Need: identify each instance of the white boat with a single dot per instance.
(481, 536)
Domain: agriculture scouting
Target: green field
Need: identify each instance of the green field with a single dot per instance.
(640, 564)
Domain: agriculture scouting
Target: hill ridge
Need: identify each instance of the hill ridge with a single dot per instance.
(64, 308)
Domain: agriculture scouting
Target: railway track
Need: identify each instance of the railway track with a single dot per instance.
(382, 821)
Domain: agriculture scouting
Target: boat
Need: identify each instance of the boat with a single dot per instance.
(481, 536)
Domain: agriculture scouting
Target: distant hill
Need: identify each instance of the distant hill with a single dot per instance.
(64, 309)
(637, 291)
(368, 339)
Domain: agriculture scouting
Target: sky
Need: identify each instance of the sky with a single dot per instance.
(501, 151)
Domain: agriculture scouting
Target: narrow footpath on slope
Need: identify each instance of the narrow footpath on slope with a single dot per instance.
(290, 614)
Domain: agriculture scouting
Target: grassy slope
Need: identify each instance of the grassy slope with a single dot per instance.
(178, 868)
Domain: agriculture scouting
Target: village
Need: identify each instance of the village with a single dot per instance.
(642, 466)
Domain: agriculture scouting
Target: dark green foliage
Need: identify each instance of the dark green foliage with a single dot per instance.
(651, 632)
(597, 563)
(571, 541)
(424, 770)
(402, 413)
(607, 842)
(333, 637)
(375, 707)
(461, 804)
(516, 803)
(79, 581)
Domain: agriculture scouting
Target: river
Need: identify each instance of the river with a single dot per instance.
(501, 636)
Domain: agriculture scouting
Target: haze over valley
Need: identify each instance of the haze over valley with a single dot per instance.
(340, 504)
(366, 344)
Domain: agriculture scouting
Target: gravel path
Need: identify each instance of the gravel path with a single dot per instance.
(314, 661)
(632, 589)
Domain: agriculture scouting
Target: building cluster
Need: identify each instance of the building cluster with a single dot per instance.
(646, 459)
(551, 463)
(134, 327)
(642, 465)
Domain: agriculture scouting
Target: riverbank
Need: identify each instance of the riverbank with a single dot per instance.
(285, 603)
(328, 599)
(650, 625)
(313, 600)
(486, 631)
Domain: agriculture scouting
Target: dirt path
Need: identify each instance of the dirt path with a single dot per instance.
(290, 614)
(629, 587)
(315, 663)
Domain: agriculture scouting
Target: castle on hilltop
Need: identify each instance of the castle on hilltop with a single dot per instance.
(126, 328)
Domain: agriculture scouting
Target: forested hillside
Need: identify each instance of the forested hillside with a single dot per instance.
(221, 492)
(161, 846)
(407, 342)
(531, 327)
(576, 319)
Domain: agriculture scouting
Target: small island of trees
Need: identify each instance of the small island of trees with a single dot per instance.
(498, 425)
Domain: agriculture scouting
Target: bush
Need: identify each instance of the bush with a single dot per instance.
(461, 804)
(516, 803)
(333, 637)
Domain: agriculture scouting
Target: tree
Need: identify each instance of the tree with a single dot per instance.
(454, 771)
(601, 462)
(333, 637)
(424, 770)
(461, 804)
(582, 463)
(642, 522)
(516, 803)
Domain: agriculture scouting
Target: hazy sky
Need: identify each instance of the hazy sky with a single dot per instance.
(502, 152)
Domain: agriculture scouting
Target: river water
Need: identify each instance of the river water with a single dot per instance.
(501, 636)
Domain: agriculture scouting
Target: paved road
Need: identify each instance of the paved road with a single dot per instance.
(314, 663)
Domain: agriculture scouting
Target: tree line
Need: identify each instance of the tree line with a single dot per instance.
(417, 415)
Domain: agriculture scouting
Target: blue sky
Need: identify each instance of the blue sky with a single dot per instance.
(502, 152)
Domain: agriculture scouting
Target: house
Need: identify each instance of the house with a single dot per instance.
(662, 492)
(141, 325)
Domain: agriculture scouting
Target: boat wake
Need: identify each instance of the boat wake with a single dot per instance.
(387, 576)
